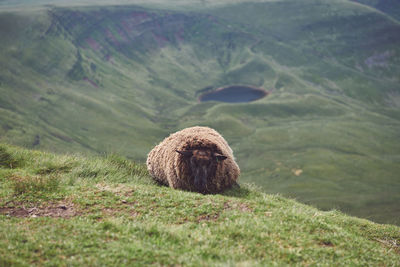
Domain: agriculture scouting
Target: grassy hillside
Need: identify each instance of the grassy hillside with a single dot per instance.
(390, 7)
(119, 79)
(74, 210)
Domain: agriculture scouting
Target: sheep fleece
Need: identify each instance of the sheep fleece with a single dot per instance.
(168, 167)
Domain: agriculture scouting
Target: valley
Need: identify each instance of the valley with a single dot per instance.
(118, 79)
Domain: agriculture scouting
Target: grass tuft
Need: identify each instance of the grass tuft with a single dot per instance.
(7, 160)
(128, 166)
(26, 184)
(51, 167)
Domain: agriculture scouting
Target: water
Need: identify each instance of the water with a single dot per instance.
(234, 94)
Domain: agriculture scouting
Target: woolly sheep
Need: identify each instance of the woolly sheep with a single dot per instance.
(195, 159)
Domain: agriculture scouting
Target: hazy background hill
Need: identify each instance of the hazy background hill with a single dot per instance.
(390, 7)
(105, 78)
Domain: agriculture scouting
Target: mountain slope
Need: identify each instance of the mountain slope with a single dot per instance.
(121, 78)
(74, 210)
(390, 7)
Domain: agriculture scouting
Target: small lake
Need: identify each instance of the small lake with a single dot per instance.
(234, 94)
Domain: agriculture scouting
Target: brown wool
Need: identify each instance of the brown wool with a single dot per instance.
(170, 168)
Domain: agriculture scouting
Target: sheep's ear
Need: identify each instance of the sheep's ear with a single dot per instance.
(187, 153)
(219, 157)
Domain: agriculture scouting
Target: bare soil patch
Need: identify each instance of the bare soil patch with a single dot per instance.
(326, 243)
(207, 217)
(227, 206)
(390, 243)
(237, 206)
(55, 210)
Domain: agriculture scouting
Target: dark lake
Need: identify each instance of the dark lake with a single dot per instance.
(234, 94)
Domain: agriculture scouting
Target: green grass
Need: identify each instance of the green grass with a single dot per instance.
(76, 210)
(102, 79)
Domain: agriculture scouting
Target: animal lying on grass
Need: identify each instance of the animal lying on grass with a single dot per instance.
(195, 159)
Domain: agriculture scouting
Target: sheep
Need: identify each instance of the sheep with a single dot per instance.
(194, 159)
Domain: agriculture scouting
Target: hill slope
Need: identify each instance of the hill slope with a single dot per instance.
(390, 7)
(121, 78)
(105, 211)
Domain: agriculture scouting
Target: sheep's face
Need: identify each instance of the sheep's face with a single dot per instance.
(203, 165)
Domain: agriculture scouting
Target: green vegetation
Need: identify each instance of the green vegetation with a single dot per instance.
(76, 210)
(118, 79)
(390, 7)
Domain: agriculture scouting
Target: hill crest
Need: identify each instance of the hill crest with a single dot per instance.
(57, 209)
